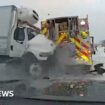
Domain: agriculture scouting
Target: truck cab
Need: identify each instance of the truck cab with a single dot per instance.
(26, 39)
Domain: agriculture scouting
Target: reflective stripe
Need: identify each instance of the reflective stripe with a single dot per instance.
(82, 49)
(82, 43)
(86, 58)
(44, 29)
(85, 45)
(61, 38)
(83, 52)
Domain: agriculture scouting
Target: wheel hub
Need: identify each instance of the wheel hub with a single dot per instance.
(35, 70)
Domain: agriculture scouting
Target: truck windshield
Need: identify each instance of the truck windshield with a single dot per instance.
(31, 33)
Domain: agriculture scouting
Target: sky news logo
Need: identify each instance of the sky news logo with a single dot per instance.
(6, 93)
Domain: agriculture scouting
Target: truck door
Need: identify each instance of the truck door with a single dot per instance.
(18, 43)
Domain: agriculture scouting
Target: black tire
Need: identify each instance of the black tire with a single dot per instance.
(31, 65)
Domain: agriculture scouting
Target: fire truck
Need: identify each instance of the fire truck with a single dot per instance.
(74, 45)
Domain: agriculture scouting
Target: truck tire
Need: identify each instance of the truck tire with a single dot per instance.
(32, 66)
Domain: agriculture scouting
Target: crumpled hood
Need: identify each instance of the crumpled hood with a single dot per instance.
(40, 39)
(41, 42)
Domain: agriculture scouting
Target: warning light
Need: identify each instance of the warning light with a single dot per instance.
(81, 94)
(82, 22)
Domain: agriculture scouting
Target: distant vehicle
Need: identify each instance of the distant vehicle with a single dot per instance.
(99, 56)
(18, 38)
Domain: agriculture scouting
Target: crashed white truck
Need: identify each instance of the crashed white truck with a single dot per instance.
(21, 40)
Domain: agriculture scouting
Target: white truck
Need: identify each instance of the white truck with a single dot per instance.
(19, 40)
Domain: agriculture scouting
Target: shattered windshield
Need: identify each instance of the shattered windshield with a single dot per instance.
(68, 64)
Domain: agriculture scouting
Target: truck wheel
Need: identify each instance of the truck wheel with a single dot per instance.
(32, 66)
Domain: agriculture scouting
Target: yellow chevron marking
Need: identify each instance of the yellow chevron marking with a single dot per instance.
(87, 59)
(60, 39)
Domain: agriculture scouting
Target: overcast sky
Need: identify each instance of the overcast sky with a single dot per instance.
(94, 8)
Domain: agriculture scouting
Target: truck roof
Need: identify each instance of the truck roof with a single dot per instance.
(63, 17)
